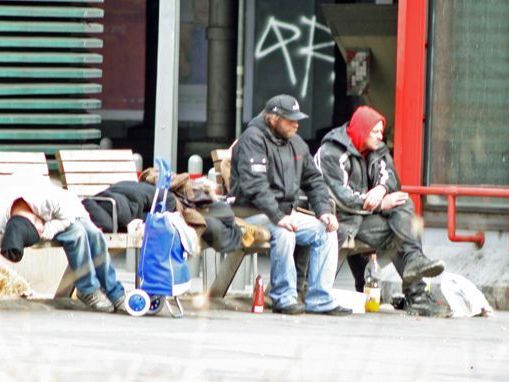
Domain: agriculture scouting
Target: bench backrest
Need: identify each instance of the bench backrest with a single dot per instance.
(23, 162)
(87, 172)
(218, 158)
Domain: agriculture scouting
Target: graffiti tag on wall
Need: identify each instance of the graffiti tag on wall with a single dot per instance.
(282, 34)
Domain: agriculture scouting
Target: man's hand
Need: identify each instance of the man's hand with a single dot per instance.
(374, 198)
(330, 221)
(287, 222)
(393, 200)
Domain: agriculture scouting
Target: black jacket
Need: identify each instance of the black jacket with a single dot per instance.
(268, 172)
(133, 200)
(349, 175)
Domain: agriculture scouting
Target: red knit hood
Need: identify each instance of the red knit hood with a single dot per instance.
(362, 122)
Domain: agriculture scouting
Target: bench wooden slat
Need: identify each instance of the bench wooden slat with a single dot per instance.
(10, 168)
(114, 241)
(88, 172)
(102, 155)
(23, 163)
(22, 157)
(219, 154)
(88, 190)
(101, 178)
(98, 167)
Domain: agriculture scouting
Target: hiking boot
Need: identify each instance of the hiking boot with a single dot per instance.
(420, 266)
(254, 234)
(96, 301)
(119, 305)
(425, 305)
(337, 311)
(292, 309)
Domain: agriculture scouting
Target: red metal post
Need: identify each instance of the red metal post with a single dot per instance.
(477, 238)
(410, 92)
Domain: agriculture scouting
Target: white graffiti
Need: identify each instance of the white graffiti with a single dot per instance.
(274, 25)
(309, 51)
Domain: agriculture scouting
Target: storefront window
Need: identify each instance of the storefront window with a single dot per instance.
(468, 102)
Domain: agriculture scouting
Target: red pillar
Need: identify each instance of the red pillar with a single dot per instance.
(410, 92)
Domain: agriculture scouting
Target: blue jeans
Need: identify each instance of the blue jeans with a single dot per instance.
(87, 253)
(323, 259)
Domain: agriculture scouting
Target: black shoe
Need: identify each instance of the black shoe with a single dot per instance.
(418, 267)
(293, 309)
(337, 311)
(424, 304)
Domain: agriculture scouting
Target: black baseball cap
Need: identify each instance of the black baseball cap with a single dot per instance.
(285, 106)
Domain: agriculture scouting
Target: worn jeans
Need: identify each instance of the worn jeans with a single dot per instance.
(87, 253)
(323, 258)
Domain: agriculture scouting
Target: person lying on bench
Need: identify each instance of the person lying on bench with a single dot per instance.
(133, 201)
(270, 163)
(359, 172)
(42, 211)
(213, 220)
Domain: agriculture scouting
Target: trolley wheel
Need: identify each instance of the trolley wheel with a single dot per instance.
(137, 302)
(156, 304)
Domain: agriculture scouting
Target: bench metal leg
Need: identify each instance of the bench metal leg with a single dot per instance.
(66, 285)
(343, 253)
(226, 273)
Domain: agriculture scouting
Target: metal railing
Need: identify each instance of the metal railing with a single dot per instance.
(452, 192)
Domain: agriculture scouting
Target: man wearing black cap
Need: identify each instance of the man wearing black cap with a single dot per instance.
(270, 164)
(44, 211)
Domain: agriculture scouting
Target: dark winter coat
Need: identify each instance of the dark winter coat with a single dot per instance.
(133, 200)
(349, 175)
(268, 172)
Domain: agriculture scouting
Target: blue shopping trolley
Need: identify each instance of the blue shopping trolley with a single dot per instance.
(162, 267)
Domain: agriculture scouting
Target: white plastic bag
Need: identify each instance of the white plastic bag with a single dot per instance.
(463, 297)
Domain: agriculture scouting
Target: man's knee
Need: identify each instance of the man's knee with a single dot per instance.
(407, 207)
(74, 232)
(282, 235)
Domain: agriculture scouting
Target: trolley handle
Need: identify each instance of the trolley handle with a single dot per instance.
(163, 183)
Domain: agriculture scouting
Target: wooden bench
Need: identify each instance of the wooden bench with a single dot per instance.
(85, 173)
(231, 265)
(33, 163)
(88, 172)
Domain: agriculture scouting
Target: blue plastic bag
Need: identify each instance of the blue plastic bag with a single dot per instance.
(162, 269)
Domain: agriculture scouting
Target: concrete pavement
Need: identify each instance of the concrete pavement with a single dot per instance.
(52, 341)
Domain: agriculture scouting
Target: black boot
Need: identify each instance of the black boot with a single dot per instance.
(419, 266)
(419, 302)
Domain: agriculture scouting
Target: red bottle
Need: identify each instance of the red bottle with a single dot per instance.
(258, 296)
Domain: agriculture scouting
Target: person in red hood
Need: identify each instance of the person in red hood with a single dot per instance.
(359, 172)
